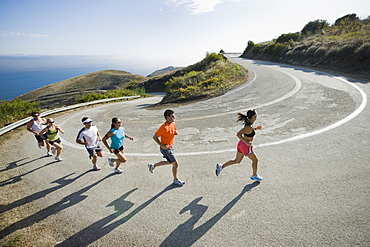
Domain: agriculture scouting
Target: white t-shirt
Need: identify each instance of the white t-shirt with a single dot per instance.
(89, 135)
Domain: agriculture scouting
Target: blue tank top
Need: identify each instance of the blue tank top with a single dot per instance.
(117, 138)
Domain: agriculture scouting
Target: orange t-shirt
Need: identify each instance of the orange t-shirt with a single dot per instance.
(167, 133)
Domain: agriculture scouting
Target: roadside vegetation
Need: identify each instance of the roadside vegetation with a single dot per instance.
(14, 110)
(211, 77)
(112, 94)
(342, 46)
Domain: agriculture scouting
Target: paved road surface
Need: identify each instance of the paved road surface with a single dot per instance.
(314, 157)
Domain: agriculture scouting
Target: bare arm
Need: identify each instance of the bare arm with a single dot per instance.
(245, 130)
(29, 127)
(42, 132)
(105, 138)
(156, 139)
(59, 128)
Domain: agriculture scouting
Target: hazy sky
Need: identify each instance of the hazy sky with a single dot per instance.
(179, 32)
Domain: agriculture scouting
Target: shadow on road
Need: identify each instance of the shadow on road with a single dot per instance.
(102, 227)
(18, 178)
(66, 202)
(186, 235)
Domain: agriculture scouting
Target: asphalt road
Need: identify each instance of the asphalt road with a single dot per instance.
(314, 157)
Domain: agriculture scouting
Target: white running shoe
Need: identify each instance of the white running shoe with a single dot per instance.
(116, 170)
(257, 177)
(49, 154)
(178, 182)
(110, 161)
(151, 168)
(58, 159)
(53, 150)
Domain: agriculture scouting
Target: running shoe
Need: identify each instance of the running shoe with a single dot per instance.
(151, 168)
(96, 168)
(110, 161)
(116, 170)
(178, 182)
(58, 159)
(49, 154)
(218, 169)
(39, 146)
(53, 150)
(257, 178)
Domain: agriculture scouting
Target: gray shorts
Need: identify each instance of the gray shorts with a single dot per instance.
(168, 154)
(92, 151)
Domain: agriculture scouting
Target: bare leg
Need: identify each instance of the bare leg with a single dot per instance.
(237, 160)
(121, 159)
(59, 148)
(254, 159)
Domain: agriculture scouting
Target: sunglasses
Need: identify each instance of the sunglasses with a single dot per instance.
(51, 122)
(119, 122)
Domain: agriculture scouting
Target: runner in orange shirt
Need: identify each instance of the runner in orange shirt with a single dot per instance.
(167, 133)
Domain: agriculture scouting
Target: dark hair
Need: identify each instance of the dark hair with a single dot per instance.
(114, 121)
(168, 113)
(247, 118)
(84, 118)
(34, 113)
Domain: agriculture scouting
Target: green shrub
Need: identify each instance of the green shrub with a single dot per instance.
(14, 110)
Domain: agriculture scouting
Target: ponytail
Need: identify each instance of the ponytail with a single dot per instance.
(114, 121)
(247, 118)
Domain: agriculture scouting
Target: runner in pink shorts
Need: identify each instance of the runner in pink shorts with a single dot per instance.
(245, 147)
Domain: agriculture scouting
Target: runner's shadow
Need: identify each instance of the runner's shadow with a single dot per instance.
(14, 164)
(64, 203)
(61, 181)
(102, 227)
(186, 235)
(18, 178)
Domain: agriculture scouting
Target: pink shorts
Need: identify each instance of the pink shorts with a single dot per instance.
(245, 149)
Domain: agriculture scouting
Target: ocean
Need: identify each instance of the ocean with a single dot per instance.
(21, 74)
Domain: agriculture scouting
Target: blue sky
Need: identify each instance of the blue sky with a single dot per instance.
(172, 32)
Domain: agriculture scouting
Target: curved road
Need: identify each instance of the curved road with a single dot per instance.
(314, 157)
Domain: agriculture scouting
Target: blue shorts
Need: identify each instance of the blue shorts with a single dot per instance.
(168, 154)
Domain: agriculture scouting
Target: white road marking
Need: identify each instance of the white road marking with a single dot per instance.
(302, 136)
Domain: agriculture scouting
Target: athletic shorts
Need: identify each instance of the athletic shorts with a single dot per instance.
(92, 151)
(245, 149)
(116, 151)
(168, 154)
(39, 138)
(56, 141)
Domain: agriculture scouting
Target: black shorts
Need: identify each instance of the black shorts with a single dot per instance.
(116, 151)
(39, 138)
(56, 141)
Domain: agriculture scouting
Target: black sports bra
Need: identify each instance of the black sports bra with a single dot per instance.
(251, 134)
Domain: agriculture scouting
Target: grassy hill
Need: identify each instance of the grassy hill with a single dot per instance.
(163, 71)
(211, 77)
(70, 91)
(343, 46)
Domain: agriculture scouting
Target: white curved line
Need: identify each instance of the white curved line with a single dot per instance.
(313, 133)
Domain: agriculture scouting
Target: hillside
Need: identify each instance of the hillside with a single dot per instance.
(343, 46)
(163, 71)
(211, 77)
(69, 91)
